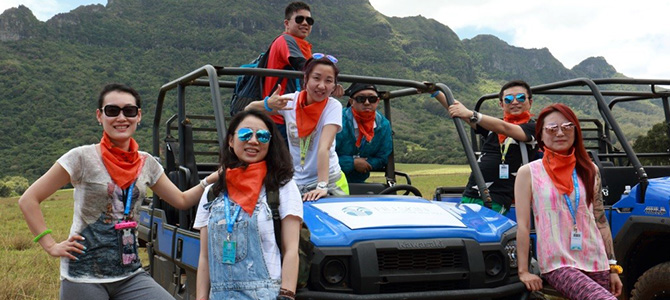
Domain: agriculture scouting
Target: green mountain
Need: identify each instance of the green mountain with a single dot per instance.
(52, 71)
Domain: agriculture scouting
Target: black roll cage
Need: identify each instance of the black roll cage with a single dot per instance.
(208, 76)
(594, 90)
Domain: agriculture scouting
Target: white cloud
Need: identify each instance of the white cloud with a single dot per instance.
(632, 36)
(45, 9)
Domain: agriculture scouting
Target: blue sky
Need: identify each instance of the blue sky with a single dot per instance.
(631, 35)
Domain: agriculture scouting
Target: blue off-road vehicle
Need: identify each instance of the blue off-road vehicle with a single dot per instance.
(373, 244)
(637, 196)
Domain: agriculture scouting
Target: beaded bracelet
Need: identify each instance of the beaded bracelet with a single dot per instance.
(41, 235)
(286, 293)
(265, 103)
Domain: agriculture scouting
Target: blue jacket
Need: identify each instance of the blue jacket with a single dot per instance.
(376, 152)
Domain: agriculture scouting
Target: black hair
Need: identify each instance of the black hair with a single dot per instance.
(311, 63)
(278, 158)
(514, 83)
(294, 7)
(118, 87)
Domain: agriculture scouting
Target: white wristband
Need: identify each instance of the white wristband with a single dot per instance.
(203, 183)
(612, 261)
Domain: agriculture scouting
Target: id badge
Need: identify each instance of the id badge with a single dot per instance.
(229, 249)
(128, 246)
(503, 171)
(576, 240)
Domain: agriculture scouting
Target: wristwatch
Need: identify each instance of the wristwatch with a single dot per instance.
(322, 185)
(476, 117)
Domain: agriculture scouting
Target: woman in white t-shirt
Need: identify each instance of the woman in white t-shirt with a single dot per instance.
(239, 255)
(99, 258)
(313, 119)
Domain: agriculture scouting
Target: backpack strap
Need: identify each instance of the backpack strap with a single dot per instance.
(273, 203)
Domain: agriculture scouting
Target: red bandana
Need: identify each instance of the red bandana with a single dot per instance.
(519, 119)
(559, 167)
(244, 184)
(123, 166)
(366, 125)
(305, 46)
(307, 116)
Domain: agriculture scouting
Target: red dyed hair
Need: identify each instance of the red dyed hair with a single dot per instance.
(584, 166)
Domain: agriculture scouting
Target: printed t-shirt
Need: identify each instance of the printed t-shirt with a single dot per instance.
(98, 205)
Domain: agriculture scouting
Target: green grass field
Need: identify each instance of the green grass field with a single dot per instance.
(30, 273)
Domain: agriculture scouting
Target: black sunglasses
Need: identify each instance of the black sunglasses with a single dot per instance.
(300, 19)
(371, 99)
(130, 111)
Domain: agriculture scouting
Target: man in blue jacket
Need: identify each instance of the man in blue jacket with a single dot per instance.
(365, 143)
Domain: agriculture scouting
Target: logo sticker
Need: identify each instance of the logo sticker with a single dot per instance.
(357, 211)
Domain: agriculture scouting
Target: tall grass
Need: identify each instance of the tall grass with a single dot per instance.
(29, 272)
(427, 177)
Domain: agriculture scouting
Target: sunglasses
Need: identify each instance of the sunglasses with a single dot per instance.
(300, 19)
(552, 129)
(262, 135)
(521, 97)
(130, 111)
(328, 56)
(362, 99)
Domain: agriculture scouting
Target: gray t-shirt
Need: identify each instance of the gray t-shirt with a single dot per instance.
(98, 205)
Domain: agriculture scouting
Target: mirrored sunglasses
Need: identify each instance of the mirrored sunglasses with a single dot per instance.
(130, 111)
(362, 99)
(521, 97)
(552, 129)
(321, 55)
(262, 135)
(300, 19)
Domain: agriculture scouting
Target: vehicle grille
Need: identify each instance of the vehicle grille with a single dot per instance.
(428, 259)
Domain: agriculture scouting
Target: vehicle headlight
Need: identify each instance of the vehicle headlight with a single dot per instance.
(510, 250)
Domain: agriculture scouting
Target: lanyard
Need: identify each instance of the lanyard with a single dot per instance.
(505, 147)
(573, 212)
(129, 196)
(304, 144)
(230, 221)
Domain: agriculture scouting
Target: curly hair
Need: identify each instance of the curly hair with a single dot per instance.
(278, 159)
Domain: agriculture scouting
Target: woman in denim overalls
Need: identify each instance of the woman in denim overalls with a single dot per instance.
(239, 257)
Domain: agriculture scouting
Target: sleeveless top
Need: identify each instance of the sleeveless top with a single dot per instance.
(554, 226)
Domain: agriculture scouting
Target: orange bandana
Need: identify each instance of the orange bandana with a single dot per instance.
(366, 125)
(123, 166)
(519, 119)
(559, 167)
(307, 116)
(305, 47)
(244, 184)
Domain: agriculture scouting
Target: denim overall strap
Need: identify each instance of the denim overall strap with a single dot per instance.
(248, 277)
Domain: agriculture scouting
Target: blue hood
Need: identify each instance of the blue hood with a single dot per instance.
(470, 221)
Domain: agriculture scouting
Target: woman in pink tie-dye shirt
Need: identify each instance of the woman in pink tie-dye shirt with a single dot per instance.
(574, 243)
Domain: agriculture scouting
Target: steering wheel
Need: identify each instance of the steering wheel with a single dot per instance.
(392, 190)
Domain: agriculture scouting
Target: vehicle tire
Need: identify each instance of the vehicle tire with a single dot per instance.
(653, 284)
